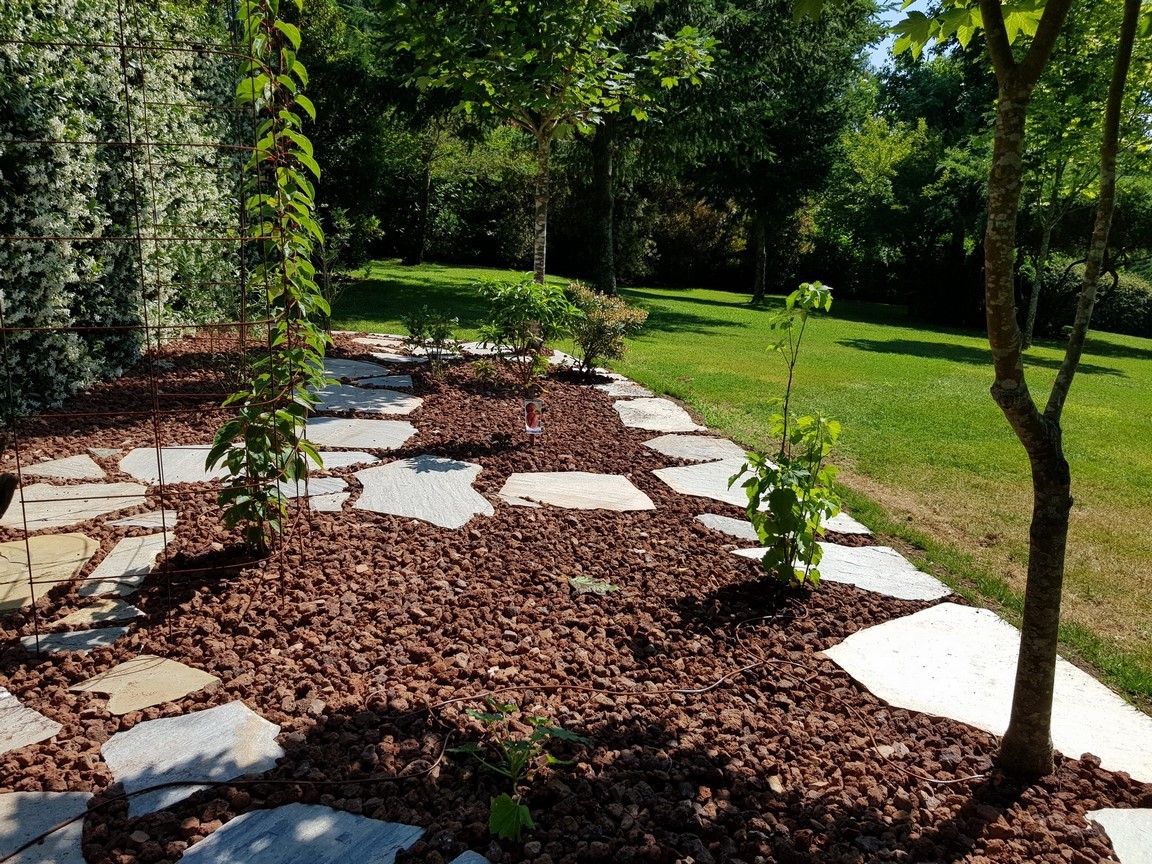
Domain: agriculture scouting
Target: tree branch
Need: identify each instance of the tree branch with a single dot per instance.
(1047, 32)
(996, 35)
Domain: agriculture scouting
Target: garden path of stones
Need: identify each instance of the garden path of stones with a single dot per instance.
(944, 660)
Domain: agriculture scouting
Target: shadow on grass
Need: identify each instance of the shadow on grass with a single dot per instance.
(959, 354)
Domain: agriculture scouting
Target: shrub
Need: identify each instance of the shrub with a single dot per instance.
(523, 316)
(432, 332)
(607, 320)
(1127, 308)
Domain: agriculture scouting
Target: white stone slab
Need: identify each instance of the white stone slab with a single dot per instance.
(623, 389)
(145, 681)
(313, 486)
(351, 432)
(56, 558)
(217, 744)
(183, 464)
(706, 480)
(392, 357)
(559, 358)
(303, 833)
(485, 349)
(958, 662)
(656, 415)
(1129, 830)
(20, 726)
(346, 398)
(71, 468)
(104, 452)
(345, 458)
(125, 567)
(24, 816)
(470, 858)
(101, 612)
(46, 506)
(426, 487)
(329, 503)
(382, 341)
(338, 367)
(738, 528)
(697, 448)
(403, 382)
(82, 641)
(577, 490)
(155, 519)
(842, 523)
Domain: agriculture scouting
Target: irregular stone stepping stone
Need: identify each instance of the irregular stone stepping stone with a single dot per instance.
(706, 480)
(78, 640)
(20, 725)
(485, 349)
(470, 858)
(71, 468)
(303, 832)
(104, 452)
(101, 612)
(403, 382)
(55, 558)
(155, 519)
(656, 415)
(426, 487)
(955, 661)
(390, 357)
(736, 527)
(842, 523)
(576, 490)
(697, 448)
(47, 506)
(26, 815)
(313, 486)
(878, 569)
(217, 744)
(351, 432)
(559, 358)
(1129, 830)
(337, 367)
(329, 503)
(145, 681)
(125, 567)
(382, 341)
(342, 397)
(345, 458)
(184, 464)
(623, 388)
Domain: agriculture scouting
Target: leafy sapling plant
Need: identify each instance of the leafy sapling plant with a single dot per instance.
(791, 497)
(607, 320)
(433, 333)
(517, 758)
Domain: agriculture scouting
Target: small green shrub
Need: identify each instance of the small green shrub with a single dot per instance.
(607, 321)
(433, 332)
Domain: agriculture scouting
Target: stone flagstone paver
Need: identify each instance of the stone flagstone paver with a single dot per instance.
(621, 387)
(47, 506)
(345, 458)
(303, 833)
(26, 815)
(353, 432)
(346, 398)
(1129, 830)
(337, 367)
(154, 519)
(402, 382)
(333, 503)
(470, 858)
(55, 558)
(182, 464)
(313, 486)
(425, 487)
(878, 569)
(101, 612)
(145, 681)
(738, 528)
(104, 452)
(706, 480)
(390, 357)
(71, 468)
(697, 448)
(842, 523)
(383, 341)
(655, 415)
(576, 490)
(125, 567)
(20, 725)
(78, 640)
(217, 744)
(955, 661)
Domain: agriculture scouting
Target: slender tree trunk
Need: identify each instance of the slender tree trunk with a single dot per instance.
(760, 242)
(540, 228)
(1038, 286)
(603, 208)
(420, 241)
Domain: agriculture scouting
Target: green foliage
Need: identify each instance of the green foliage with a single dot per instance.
(522, 317)
(790, 498)
(607, 320)
(515, 757)
(263, 446)
(432, 332)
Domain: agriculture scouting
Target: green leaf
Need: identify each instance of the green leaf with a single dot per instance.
(508, 818)
(291, 31)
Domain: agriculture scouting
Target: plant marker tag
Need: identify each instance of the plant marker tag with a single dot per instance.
(533, 416)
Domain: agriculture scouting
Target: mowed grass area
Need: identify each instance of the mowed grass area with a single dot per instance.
(928, 459)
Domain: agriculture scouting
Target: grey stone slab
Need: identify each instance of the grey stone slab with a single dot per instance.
(297, 833)
(739, 528)
(352, 432)
(344, 458)
(346, 398)
(124, 568)
(217, 744)
(470, 858)
(156, 519)
(55, 558)
(697, 448)
(559, 358)
(392, 357)
(403, 382)
(181, 464)
(78, 640)
(955, 661)
(70, 468)
(1129, 830)
(47, 506)
(313, 486)
(425, 487)
(104, 452)
(388, 342)
(338, 367)
(844, 524)
(101, 612)
(333, 503)
(20, 726)
(485, 349)
(24, 816)
(656, 415)
(576, 490)
(623, 388)
(706, 480)
(145, 681)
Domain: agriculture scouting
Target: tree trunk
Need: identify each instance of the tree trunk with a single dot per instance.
(603, 208)
(760, 244)
(1038, 286)
(420, 241)
(540, 228)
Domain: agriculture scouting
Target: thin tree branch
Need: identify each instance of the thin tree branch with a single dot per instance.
(1047, 32)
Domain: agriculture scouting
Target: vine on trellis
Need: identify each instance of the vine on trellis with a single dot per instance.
(263, 447)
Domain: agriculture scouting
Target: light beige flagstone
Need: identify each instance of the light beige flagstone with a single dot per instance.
(347, 398)
(331, 460)
(576, 490)
(390, 357)
(47, 506)
(78, 640)
(70, 468)
(842, 523)
(55, 558)
(144, 682)
(24, 816)
(1129, 830)
(20, 725)
(182, 464)
(333, 503)
(124, 568)
(354, 432)
(425, 487)
(740, 528)
(697, 448)
(100, 612)
(656, 415)
(155, 519)
(707, 480)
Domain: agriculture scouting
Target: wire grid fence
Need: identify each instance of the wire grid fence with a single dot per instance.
(148, 402)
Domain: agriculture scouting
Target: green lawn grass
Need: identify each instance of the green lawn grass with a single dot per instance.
(928, 458)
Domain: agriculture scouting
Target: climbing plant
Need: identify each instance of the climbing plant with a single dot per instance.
(262, 446)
